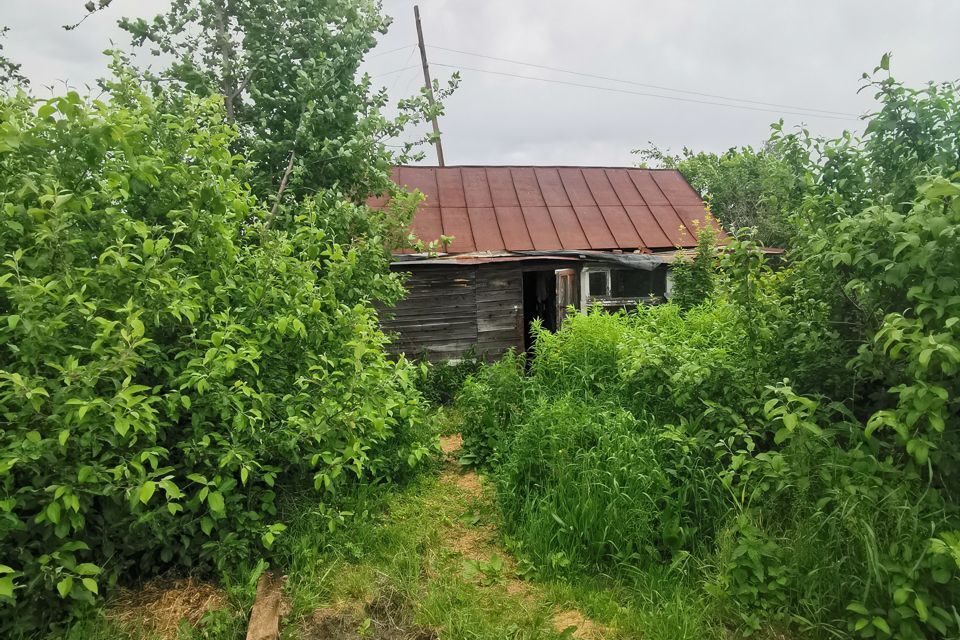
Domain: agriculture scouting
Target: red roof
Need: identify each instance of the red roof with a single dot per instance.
(553, 208)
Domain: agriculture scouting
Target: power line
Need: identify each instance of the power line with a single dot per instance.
(642, 93)
(393, 85)
(390, 73)
(641, 84)
(384, 53)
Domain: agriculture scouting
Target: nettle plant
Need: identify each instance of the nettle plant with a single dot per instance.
(168, 362)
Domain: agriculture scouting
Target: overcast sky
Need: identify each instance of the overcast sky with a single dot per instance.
(803, 54)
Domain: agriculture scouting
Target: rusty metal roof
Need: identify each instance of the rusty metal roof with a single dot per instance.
(491, 208)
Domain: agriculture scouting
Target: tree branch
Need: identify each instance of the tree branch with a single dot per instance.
(283, 185)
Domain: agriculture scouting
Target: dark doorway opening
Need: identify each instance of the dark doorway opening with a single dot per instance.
(539, 301)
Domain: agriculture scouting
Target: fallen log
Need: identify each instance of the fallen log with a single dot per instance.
(268, 608)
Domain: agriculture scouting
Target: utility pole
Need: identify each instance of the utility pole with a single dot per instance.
(429, 84)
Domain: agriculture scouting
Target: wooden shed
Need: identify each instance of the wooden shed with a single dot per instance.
(531, 242)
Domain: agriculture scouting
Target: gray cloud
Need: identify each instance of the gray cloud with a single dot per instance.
(808, 53)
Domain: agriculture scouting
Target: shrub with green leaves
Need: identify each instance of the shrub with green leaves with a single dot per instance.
(442, 381)
(593, 485)
(168, 363)
(817, 405)
(491, 403)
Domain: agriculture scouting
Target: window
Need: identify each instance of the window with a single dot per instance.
(598, 283)
(636, 283)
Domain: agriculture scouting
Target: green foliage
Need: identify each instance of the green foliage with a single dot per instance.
(903, 271)
(744, 187)
(489, 403)
(10, 76)
(443, 380)
(287, 74)
(694, 279)
(168, 365)
(586, 484)
(811, 412)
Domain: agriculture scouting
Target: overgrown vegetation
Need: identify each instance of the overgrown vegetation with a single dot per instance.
(188, 335)
(746, 188)
(787, 444)
(169, 363)
(443, 380)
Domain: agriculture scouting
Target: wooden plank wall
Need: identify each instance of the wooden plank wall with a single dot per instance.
(439, 315)
(450, 310)
(499, 310)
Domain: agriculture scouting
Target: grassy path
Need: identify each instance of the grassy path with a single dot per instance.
(435, 569)
(425, 562)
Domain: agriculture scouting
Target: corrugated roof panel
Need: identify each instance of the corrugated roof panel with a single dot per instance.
(551, 187)
(527, 187)
(542, 232)
(513, 228)
(621, 227)
(651, 235)
(450, 186)
(426, 224)
(677, 190)
(456, 223)
(693, 214)
(501, 186)
(486, 231)
(672, 226)
(648, 188)
(424, 179)
(568, 228)
(595, 228)
(576, 187)
(550, 208)
(624, 187)
(600, 187)
(475, 187)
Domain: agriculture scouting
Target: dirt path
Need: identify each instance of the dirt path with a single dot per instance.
(430, 566)
(479, 546)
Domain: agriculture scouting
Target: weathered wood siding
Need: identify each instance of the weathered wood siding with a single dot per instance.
(499, 310)
(450, 310)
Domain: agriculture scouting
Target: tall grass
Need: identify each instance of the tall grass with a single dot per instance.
(660, 441)
(591, 485)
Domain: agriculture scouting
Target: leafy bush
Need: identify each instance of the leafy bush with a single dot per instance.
(490, 404)
(694, 279)
(167, 363)
(588, 484)
(442, 381)
(804, 423)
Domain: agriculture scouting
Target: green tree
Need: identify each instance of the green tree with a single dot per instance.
(694, 279)
(745, 188)
(287, 71)
(169, 366)
(10, 76)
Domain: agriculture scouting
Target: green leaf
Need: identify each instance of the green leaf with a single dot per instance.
(13, 321)
(881, 624)
(53, 512)
(87, 569)
(91, 585)
(146, 491)
(65, 586)
(215, 501)
(6, 586)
